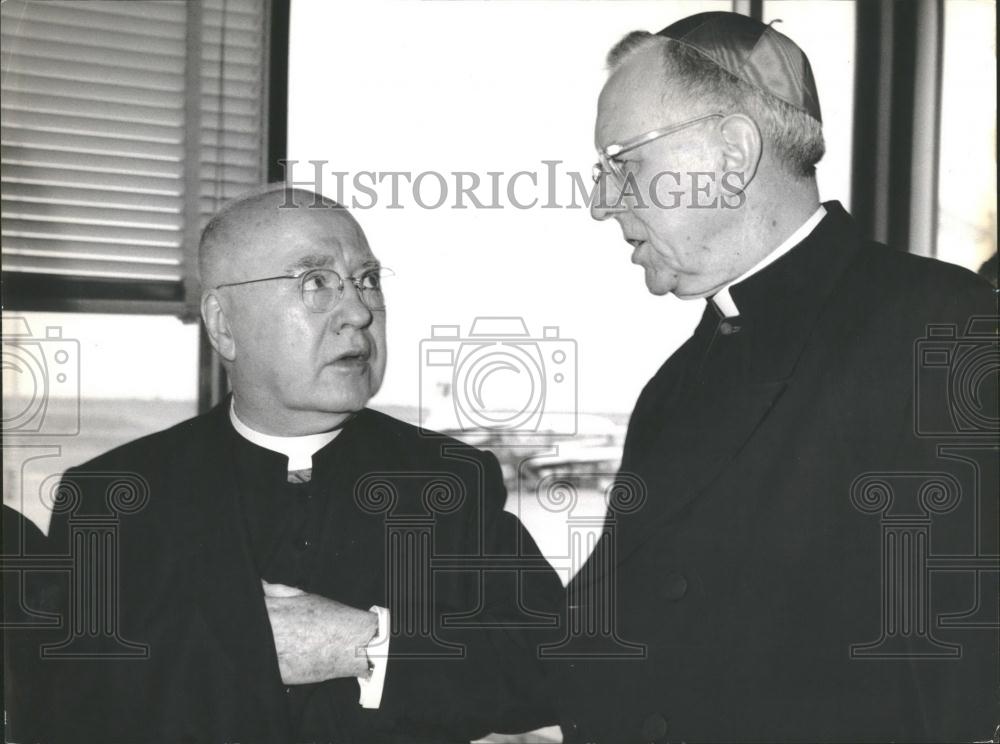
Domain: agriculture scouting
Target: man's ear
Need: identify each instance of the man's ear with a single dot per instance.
(742, 147)
(217, 326)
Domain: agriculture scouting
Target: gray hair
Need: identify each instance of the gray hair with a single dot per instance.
(796, 137)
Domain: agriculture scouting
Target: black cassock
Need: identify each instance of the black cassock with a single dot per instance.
(389, 517)
(805, 547)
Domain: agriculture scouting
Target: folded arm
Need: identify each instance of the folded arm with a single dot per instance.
(317, 638)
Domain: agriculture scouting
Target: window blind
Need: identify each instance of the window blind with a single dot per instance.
(99, 155)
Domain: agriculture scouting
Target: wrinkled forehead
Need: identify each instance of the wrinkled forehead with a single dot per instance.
(635, 99)
(277, 236)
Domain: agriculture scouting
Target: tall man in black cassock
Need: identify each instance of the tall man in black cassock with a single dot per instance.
(816, 556)
(276, 557)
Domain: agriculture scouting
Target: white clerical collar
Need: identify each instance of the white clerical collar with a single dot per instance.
(724, 300)
(298, 450)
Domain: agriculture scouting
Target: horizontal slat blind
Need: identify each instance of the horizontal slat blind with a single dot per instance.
(232, 74)
(93, 133)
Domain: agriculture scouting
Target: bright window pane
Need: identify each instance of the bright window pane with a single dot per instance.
(484, 88)
(479, 88)
(76, 385)
(824, 29)
(967, 216)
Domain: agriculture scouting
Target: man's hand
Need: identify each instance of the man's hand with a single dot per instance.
(317, 638)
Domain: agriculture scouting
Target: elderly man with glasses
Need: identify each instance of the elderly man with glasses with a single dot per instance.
(274, 579)
(806, 559)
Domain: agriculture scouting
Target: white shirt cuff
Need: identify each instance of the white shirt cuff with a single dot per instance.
(377, 651)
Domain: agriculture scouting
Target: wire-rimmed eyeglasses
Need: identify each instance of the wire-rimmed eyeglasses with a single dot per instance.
(608, 162)
(322, 289)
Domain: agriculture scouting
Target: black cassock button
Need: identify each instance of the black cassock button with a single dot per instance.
(675, 586)
(302, 543)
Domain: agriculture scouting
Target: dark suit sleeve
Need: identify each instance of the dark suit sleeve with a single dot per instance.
(949, 431)
(495, 608)
(78, 708)
(30, 607)
(100, 684)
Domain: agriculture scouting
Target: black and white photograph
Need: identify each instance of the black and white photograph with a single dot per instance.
(499, 371)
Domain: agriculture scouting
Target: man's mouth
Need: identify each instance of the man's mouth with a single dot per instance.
(352, 358)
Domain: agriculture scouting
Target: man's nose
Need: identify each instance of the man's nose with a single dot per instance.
(351, 310)
(607, 199)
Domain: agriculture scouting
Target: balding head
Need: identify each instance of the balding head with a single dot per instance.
(230, 237)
